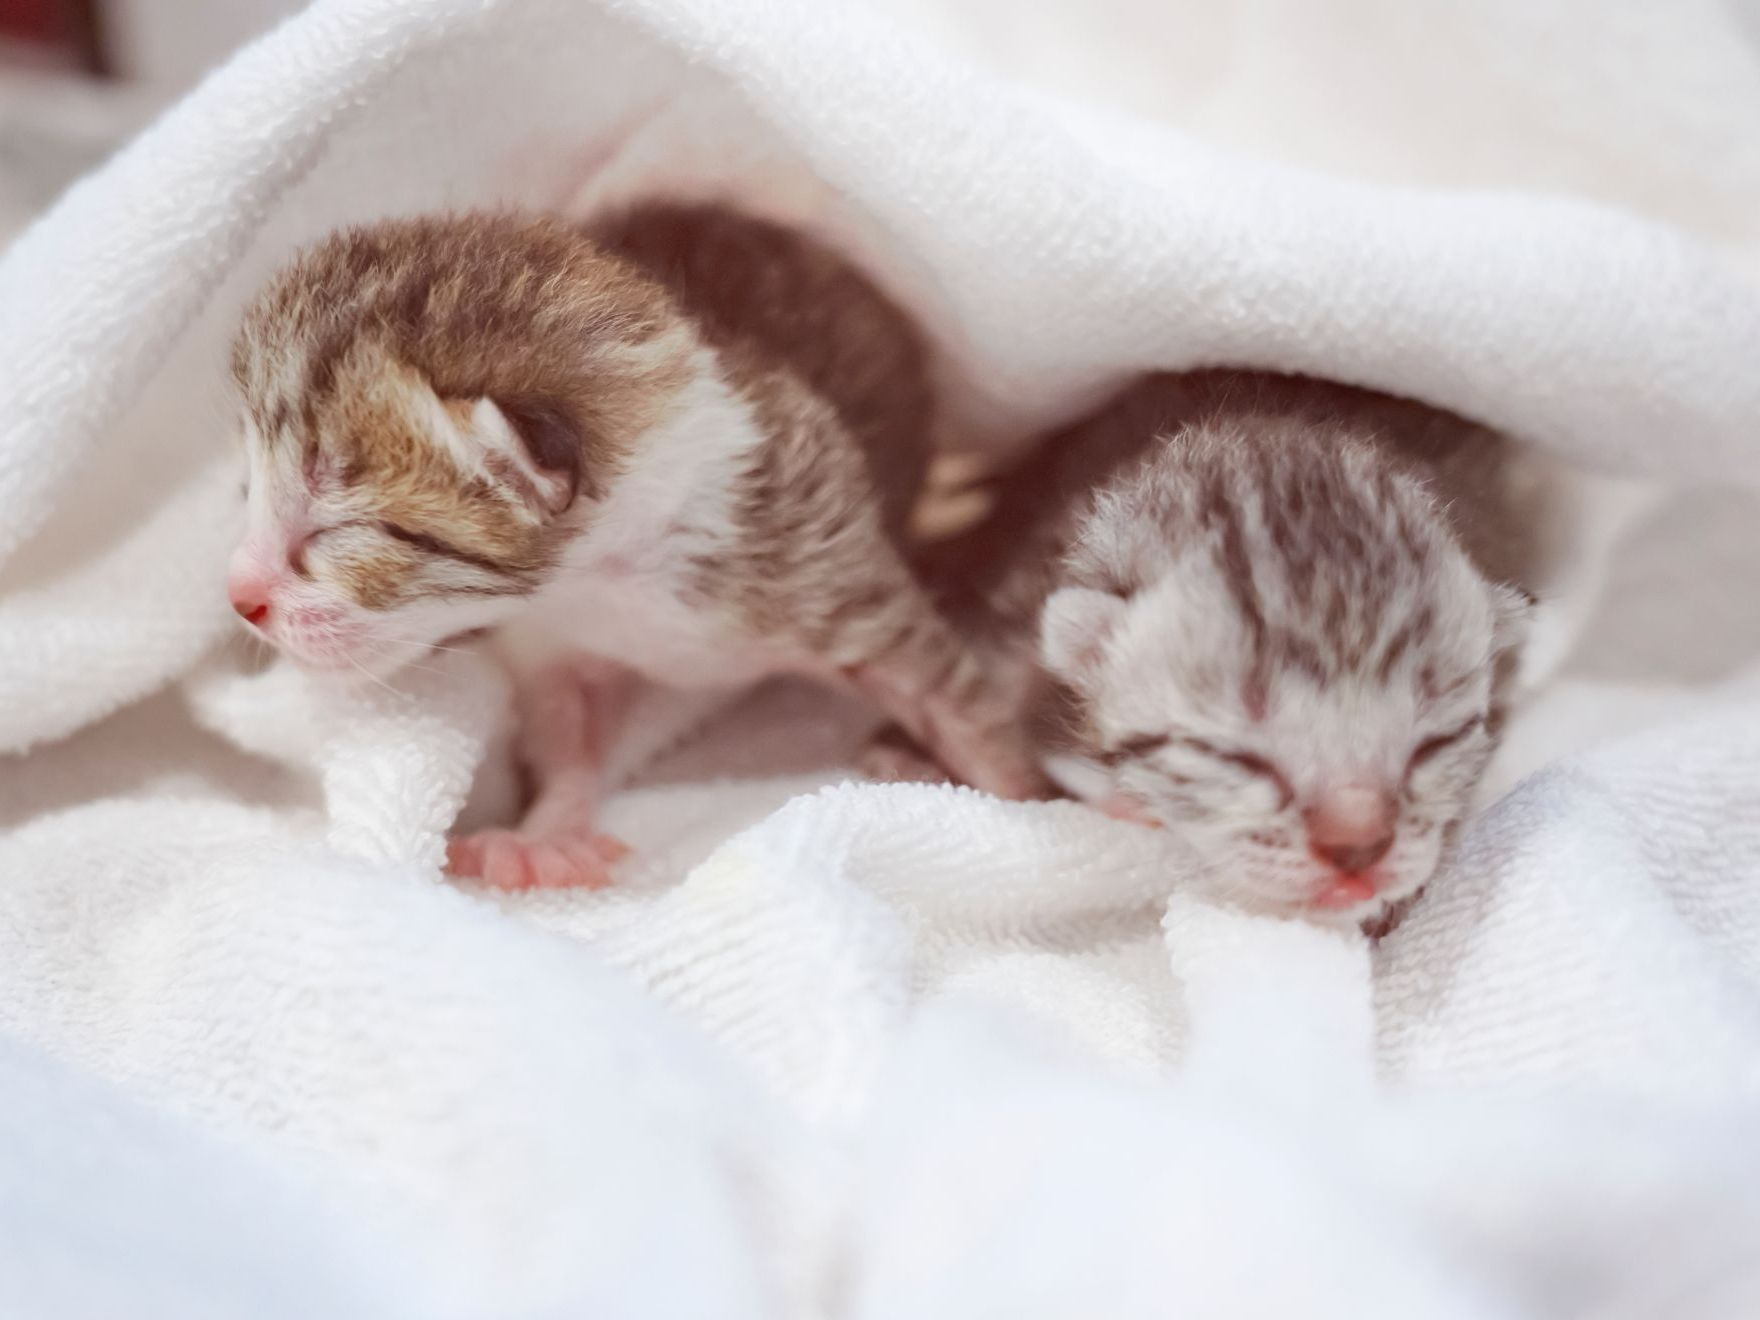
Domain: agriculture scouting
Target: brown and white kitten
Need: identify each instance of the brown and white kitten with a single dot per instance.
(1275, 616)
(682, 447)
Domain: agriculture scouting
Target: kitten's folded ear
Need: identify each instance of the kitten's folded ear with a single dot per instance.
(1074, 626)
(530, 445)
(529, 448)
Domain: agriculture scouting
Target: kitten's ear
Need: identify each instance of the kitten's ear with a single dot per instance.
(529, 448)
(529, 445)
(1514, 610)
(1074, 626)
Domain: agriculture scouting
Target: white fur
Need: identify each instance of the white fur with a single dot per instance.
(618, 592)
(1074, 626)
(1174, 660)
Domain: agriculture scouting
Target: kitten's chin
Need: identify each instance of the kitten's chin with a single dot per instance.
(380, 665)
(357, 666)
(1373, 916)
(1354, 917)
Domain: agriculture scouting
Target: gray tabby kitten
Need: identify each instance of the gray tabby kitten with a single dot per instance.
(1275, 616)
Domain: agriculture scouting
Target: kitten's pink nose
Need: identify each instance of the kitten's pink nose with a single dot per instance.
(250, 597)
(1351, 827)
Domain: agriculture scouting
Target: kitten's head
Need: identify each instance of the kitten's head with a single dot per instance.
(404, 521)
(419, 442)
(1280, 653)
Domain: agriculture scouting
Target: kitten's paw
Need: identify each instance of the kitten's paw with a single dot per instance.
(1122, 806)
(506, 859)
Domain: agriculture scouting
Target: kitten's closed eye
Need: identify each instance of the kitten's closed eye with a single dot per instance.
(442, 549)
(1148, 744)
(296, 556)
(420, 540)
(1250, 762)
(1138, 746)
(1430, 748)
(297, 553)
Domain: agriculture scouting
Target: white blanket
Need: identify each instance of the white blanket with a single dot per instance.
(843, 1049)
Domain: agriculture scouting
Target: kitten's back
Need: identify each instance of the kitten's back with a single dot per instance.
(770, 298)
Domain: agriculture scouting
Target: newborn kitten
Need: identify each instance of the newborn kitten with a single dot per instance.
(1272, 615)
(682, 448)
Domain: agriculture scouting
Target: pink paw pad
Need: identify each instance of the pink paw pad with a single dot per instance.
(1122, 806)
(507, 860)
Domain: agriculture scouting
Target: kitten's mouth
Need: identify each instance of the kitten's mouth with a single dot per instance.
(1349, 902)
(1347, 891)
(1376, 916)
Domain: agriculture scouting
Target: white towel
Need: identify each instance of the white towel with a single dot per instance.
(834, 1048)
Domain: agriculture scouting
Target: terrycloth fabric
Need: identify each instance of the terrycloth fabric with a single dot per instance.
(844, 1049)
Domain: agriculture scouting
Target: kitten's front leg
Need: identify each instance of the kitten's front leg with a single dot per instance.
(569, 712)
(937, 690)
(892, 756)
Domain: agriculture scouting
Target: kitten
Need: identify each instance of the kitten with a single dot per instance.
(681, 448)
(1273, 615)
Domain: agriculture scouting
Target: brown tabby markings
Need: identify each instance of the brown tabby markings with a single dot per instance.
(586, 342)
(837, 377)
(476, 306)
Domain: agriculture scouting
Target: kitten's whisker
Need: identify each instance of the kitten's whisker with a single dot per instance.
(427, 646)
(420, 669)
(370, 674)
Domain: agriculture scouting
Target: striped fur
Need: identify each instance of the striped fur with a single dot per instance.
(686, 441)
(1248, 590)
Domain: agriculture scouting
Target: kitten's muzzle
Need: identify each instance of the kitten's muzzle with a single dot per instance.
(250, 600)
(1354, 858)
(1351, 825)
(255, 573)
(1351, 828)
